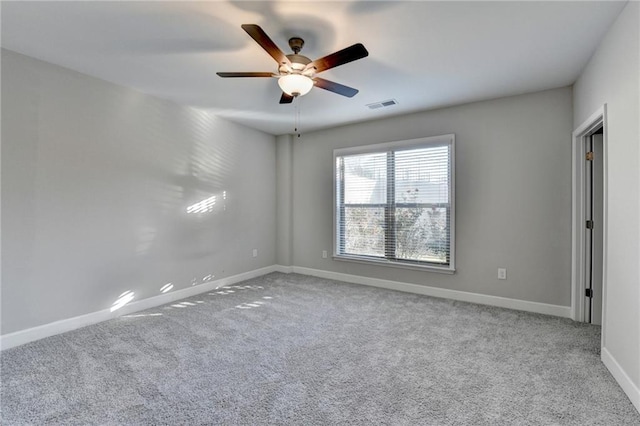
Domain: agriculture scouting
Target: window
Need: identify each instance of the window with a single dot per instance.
(394, 203)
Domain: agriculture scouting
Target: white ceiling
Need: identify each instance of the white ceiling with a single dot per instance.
(423, 54)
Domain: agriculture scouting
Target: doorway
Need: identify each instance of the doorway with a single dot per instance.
(593, 208)
(589, 216)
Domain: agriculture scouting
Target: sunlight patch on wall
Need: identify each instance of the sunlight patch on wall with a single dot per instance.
(165, 288)
(122, 300)
(204, 206)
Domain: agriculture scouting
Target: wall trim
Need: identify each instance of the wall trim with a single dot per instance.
(625, 382)
(483, 299)
(21, 337)
(283, 269)
(597, 119)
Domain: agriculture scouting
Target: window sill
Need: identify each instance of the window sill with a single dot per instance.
(400, 265)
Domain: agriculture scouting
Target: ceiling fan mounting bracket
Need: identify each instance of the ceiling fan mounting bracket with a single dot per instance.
(296, 43)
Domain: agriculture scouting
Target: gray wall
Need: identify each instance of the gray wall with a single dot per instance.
(96, 179)
(284, 204)
(612, 77)
(513, 195)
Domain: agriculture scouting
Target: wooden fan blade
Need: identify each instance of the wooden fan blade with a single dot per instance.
(286, 99)
(245, 74)
(334, 87)
(341, 57)
(267, 44)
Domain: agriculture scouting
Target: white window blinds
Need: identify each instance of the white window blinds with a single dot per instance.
(394, 203)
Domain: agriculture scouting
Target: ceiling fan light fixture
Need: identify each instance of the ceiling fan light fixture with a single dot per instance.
(297, 73)
(295, 84)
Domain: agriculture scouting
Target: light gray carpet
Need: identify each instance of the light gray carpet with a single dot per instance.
(292, 349)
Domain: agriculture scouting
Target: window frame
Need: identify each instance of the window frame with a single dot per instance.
(402, 145)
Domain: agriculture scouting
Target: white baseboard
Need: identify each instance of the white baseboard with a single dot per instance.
(283, 269)
(483, 299)
(31, 334)
(625, 382)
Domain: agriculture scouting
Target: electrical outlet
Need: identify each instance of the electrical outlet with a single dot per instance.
(502, 273)
(324, 254)
(255, 252)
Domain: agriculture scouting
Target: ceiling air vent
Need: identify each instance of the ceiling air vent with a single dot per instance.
(383, 104)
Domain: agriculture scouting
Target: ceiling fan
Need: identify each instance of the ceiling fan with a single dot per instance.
(296, 73)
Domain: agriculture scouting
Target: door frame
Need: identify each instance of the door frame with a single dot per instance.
(578, 215)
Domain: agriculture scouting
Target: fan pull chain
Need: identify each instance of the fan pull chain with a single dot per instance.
(297, 115)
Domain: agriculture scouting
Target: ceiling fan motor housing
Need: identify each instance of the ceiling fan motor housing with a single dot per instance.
(298, 61)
